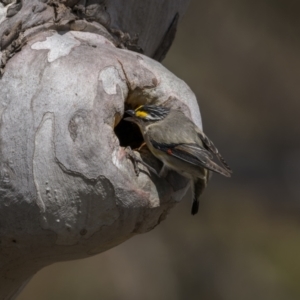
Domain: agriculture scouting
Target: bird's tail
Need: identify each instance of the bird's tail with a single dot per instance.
(198, 188)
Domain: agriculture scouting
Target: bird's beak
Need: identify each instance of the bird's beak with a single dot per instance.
(131, 113)
(129, 119)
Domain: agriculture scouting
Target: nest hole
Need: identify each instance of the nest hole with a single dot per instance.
(129, 134)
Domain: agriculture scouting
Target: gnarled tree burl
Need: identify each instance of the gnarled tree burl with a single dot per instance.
(68, 70)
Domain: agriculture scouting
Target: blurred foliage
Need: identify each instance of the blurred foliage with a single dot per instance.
(241, 58)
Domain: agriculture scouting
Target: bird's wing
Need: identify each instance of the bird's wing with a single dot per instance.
(208, 144)
(192, 154)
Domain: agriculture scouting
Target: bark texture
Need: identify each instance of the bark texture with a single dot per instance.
(67, 188)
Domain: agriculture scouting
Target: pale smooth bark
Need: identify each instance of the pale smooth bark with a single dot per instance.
(67, 188)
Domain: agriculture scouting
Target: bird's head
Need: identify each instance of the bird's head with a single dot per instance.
(147, 114)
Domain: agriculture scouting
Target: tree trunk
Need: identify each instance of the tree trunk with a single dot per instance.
(69, 69)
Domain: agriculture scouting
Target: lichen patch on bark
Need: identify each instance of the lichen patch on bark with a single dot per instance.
(58, 45)
(111, 78)
(2, 13)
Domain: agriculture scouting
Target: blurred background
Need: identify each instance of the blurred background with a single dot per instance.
(242, 59)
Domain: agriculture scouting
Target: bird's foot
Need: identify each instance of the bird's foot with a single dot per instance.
(130, 154)
(163, 172)
(135, 160)
(140, 147)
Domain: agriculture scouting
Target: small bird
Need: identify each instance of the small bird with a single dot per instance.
(181, 146)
